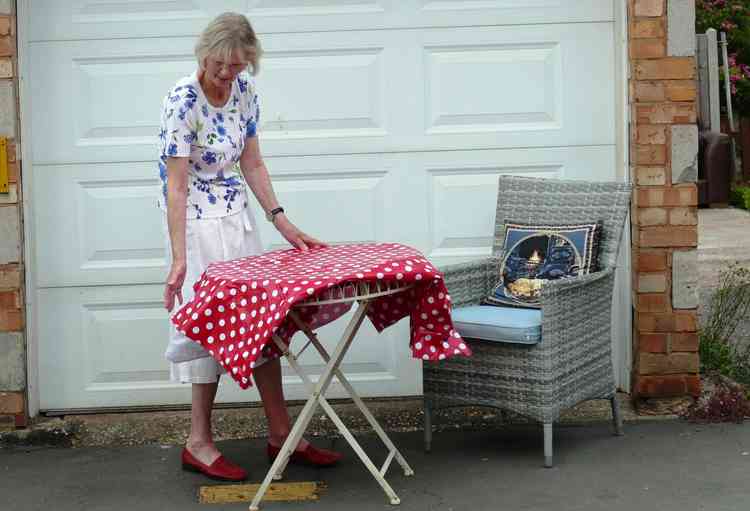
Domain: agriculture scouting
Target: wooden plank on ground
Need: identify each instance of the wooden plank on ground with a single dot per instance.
(292, 491)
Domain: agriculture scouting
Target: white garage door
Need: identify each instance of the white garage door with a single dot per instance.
(384, 120)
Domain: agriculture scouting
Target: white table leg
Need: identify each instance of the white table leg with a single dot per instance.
(355, 397)
(300, 425)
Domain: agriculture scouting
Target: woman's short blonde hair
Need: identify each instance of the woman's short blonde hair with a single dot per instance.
(225, 34)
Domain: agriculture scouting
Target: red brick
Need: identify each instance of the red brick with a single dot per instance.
(666, 113)
(9, 300)
(675, 363)
(683, 216)
(693, 385)
(667, 322)
(10, 276)
(652, 282)
(647, 28)
(674, 196)
(650, 134)
(652, 261)
(681, 90)
(664, 386)
(652, 216)
(648, 48)
(649, 91)
(673, 236)
(652, 343)
(649, 8)
(684, 342)
(651, 176)
(7, 46)
(11, 403)
(650, 154)
(667, 68)
(653, 302)
(13, 172)
(5, 25)
(11, 321)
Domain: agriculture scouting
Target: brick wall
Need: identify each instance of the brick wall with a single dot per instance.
(664, 145)
(12, 345)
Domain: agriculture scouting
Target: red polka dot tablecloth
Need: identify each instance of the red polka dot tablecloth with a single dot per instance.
(239, 304)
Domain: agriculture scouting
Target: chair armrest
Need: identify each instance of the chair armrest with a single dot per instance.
(579, 307)
(469, 283)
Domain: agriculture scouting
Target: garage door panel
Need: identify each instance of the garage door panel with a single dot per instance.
(461, 99)
(99, 224)
(387, 91)
(543, 88)
(326, 93)
(459, 232)
(115, 338)
(55, 20)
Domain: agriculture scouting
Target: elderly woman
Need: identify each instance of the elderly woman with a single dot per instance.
(208, 144)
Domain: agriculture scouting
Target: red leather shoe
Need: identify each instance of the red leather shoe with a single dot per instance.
(311, 456)
(221, 469)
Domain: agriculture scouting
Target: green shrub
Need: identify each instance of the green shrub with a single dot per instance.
(741, 197)
(720, 348)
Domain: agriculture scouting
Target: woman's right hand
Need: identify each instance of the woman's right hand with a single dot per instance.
(173, 286)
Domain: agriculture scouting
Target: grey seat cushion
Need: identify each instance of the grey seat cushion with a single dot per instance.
(499, 324)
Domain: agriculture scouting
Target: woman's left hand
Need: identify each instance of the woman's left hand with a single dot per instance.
(293, 235)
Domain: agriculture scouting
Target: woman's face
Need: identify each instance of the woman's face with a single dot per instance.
(221, 71)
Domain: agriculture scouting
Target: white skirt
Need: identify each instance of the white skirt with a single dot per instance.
(207, 240)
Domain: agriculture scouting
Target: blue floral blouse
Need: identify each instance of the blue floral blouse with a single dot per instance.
(213, 139)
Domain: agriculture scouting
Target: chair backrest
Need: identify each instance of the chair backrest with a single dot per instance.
(555, 201)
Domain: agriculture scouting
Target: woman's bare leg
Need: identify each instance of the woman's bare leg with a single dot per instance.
(200, 443)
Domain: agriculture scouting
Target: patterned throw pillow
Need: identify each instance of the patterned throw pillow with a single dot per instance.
(535, 253)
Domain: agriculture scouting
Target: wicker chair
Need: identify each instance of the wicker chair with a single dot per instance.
(573, 361)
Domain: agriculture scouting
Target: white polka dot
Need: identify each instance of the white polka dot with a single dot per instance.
(427, 337)
(220, 308)
(425, 357)
(242, 330)
(418, 345)
(254, 299)
(208, 312)
(243, 288)
(430, 299)
(222, 322)
(243, 302)
(231, 348)
(196, 329)
(418, 276)
(433, 349)
(380, 275)
(232, 333)
(462, 346)
(399, 276)
(310, 290)
(233, 319)
(195, 315)
(233, 292)
(222, 337)
(220, 294)
(441, 357)
(423, 316)
(210, 339)
(209, 326)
